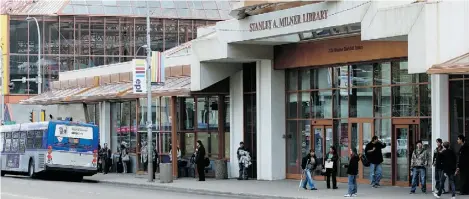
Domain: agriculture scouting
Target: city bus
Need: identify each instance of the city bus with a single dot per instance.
(52, 147)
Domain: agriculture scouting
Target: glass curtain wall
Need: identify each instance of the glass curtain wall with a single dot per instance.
(458, 108)
(379, 90)
(198, 118)
(77, 42)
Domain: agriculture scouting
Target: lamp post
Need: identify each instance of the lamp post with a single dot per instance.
(39, 66)
(149, 122)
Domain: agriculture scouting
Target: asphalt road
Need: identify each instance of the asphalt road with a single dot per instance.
(15, 187)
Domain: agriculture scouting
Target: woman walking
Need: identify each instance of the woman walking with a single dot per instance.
(124, 157)
(352, 172)
(331, 168)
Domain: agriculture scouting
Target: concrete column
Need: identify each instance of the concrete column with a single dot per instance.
(270, 100)
(440, 114)
(105, 123)
(236, 121)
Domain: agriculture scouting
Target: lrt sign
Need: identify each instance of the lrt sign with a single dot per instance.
(139, 76)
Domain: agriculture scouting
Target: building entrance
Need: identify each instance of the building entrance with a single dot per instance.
(321, 138)
(405, 135)
(360, 133)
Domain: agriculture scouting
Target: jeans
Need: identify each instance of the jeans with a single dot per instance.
(438, 173)
(352, 184)
(450, 182)
(309, 179)
(243, 174)
(375, 173)
(418, 173)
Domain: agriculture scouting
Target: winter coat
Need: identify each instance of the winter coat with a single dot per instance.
(464, 156)
(353, 165)
(437, 159)
(200, 157)
(449, 161)
(376, 156)
(420, 158)
(307, 160)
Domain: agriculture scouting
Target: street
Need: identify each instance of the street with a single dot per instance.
(18, 187)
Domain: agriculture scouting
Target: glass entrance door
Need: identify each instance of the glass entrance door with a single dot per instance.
(322, 138)
(403, 143)
(360, 134)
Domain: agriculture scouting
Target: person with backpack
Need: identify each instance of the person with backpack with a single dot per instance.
(200, 160)
(309, 164)
(352, 172)
(419, 163)
(449, 162)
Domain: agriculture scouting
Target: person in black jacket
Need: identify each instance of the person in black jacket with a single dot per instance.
(375, 156)
(200, 160)
(309, 164)
(437, 163)
(449, 161)
(332, 172)
(463, 165)
(352, 172)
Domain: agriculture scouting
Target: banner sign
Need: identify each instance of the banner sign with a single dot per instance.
(139, 76)
(80, 132)
(157, 66)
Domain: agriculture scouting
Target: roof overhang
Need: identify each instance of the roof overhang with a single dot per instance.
(458, 65)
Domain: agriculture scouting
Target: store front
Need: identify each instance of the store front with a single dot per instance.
(343, 98)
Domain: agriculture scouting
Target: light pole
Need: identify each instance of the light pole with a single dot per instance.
(149, 122)
(39, 66)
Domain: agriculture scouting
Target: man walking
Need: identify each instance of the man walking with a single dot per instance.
(419, 163)
(375, 157)
(463, 165)
(448, 160)
(437, 163)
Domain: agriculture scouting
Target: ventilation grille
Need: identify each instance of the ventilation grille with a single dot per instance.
(41, 161)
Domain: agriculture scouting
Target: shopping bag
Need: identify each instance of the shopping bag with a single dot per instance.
(329, 165)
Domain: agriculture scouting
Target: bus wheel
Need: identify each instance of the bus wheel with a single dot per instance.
(31, 168)
(2, 173)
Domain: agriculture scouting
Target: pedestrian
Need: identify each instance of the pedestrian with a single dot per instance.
(352, 172)
(375, 156)
(200, 160)
(437, 163)
(463, 165)
(309, 164)
(244, 161)
(106, 158)
(419, 163)
(124, 157)
(449, 162)
(331, 167)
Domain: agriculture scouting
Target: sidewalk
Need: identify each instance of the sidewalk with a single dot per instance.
(258, 189)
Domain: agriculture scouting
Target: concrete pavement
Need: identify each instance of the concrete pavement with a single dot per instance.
(13, 187)
(258, 189)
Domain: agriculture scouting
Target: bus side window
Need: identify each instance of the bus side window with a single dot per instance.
(2, 141)
(22, 142)
(30, 140)
(38, 139)
(7, 141)
(15, 143)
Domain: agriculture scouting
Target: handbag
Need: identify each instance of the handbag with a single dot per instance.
(125, 158)
(329, 164)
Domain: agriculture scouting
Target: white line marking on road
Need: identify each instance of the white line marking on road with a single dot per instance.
(21, 196)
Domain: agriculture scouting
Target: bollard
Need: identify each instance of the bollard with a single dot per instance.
(221, 171)
(166, 173)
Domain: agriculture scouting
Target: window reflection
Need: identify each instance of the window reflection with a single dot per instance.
(361, 75)
(189, 113)
(321, 78)
(213, 113)
(305, 105)
(321, 104)
(292, 105)
(202, 113)
(360, 100)
(405, 100)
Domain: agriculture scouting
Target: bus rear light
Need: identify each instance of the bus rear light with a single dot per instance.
(95, 157)
(49, 154)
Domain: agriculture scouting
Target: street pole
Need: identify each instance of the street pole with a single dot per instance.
(2, 98)
(149, 122)
(39, 66)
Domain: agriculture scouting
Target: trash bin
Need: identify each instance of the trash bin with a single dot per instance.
(220, 169)
(166, 173)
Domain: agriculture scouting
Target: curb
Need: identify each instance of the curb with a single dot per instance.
(197, 191)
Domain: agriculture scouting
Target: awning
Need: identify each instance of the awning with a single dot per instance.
(53, 97)
(458, 65)
(102, 93)
(176, 86)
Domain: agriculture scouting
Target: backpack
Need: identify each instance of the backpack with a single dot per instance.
(365, 161)
(207, 162)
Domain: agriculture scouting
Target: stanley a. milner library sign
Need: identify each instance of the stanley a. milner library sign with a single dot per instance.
(288, 21)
